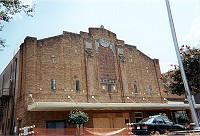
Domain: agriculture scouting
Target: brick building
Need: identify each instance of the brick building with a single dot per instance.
(113, 82)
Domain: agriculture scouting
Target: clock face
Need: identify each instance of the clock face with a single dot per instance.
(104, 42)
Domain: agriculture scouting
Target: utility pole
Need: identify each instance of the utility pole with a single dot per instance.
(189, 96)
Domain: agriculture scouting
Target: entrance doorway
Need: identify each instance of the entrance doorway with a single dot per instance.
(56, 127)
(117, 122)
(56, 124)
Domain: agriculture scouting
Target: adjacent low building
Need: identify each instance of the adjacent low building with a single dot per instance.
(113, 82)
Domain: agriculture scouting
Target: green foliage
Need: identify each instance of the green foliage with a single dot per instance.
(163, 115)
(77, 117)
(191, 62)
(8, 8)
(183, 119)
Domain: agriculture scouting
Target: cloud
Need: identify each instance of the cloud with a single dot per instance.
(194, 32)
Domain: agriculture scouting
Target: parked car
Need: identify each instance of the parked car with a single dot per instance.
(192, 125)
(155, 125)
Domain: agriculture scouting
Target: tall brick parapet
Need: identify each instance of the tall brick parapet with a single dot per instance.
(30, 44)
(27, 75)
(157, 66)
(159, 84)
(98, 33)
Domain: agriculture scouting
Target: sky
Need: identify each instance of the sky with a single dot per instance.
(142, 23)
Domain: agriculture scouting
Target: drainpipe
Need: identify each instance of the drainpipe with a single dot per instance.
(13, 100)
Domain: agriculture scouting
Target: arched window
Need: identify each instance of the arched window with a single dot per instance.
(77, 86)
(53, 84)
(135, 90)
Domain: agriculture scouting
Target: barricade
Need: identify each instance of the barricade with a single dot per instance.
(82, 132)
(28, 130)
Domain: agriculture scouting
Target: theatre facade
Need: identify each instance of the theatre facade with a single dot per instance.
(95, 72)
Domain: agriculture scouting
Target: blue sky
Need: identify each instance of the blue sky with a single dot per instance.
(143, 23)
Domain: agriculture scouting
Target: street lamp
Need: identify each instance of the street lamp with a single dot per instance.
(189, 96)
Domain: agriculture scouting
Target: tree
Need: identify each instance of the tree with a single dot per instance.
(8, 8)
(77, 117)
(191, 62)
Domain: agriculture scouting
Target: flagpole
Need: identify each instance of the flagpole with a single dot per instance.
(189, 96)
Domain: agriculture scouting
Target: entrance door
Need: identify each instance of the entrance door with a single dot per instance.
(101, 123)
(109, 122)
(55, 127)
(119, 122)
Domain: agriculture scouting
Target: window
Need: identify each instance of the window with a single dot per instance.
(77, 86)
(114, 88)
(138, 116)
(109, 88)
(53, 84)
(103, 87)
(53, 58)
(149, 90)
(135, 91)
(159, 121)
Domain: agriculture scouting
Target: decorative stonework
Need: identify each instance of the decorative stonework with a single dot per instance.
(108, 81)
(89, 53)
(122, 58)
(106, 61)
(105, 43)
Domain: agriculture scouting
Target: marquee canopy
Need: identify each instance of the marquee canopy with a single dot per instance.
(66, 106)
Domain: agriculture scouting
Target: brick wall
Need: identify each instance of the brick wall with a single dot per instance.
(96, 60)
